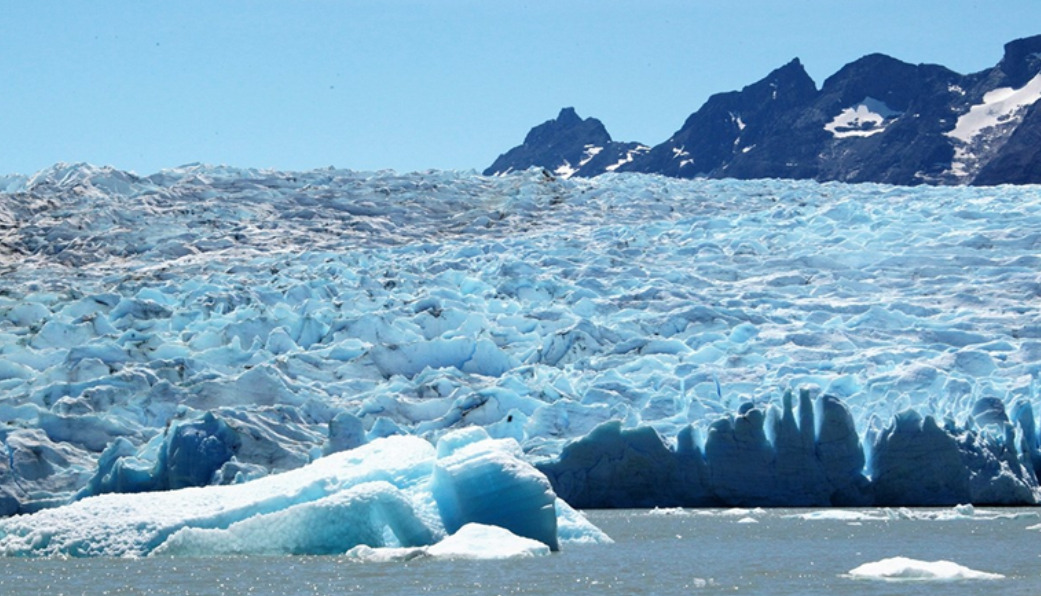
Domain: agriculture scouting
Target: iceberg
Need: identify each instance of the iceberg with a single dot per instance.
(380, 495)
(644, 341)
(897, 569)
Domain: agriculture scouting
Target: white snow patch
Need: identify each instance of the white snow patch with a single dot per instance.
(999, 106)
(591, 152)
(863, 119)
(629, 156)
(905, 569)
(983, 129)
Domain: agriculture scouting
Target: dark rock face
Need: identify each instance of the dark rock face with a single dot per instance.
(876, 120)
(1019, 160)
(730, 125)
(567, 146)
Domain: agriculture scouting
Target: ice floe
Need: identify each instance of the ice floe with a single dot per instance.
(898, 569)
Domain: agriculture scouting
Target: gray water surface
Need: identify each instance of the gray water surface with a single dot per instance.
(676, 552)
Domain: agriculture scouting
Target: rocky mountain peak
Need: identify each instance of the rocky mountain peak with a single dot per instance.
(567, 145)
(1022, 60)
(878, 119)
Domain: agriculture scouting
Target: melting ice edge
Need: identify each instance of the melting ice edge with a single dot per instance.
(645, 341)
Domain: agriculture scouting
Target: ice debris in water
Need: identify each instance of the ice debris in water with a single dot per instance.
(636, 335)
(897, 569)
(472, 541)
(958, 513)
(381, 495)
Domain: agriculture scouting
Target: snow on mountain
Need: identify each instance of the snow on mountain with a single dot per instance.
(567, 146)
(998, 106)
(982, 130)
(864, 119)
(630, 155)
(724, 342)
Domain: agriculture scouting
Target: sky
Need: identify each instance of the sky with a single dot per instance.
(413, 85)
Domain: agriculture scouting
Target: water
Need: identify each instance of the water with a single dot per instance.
(703, 552)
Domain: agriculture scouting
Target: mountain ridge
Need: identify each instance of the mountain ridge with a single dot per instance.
(877, 119)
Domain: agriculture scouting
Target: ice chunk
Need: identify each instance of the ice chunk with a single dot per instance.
(844, 515)
(479, 541)
(345, 432)
(905, 569)
(484, 481)
(472, 541)
(194, 451)
(330, 525)
(393, 492)
(574, 528)
(134, 524)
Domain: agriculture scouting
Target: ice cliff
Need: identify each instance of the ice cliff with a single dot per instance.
(644, 340)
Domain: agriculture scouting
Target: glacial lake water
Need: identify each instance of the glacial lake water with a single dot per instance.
(661, 553)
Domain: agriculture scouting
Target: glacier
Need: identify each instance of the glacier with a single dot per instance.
(644, 341)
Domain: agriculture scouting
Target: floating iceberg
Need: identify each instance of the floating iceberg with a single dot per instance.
(645, 341)
(381, 495)
(904, 569)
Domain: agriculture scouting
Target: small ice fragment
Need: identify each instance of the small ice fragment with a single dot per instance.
(479, 541)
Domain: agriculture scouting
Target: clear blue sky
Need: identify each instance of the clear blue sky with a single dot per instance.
(412, 85)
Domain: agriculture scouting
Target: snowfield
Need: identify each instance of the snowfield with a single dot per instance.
(760, 342)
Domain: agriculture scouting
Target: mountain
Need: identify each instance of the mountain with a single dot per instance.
(877, 119)
(568, 146)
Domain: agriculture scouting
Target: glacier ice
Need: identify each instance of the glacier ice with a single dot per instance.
(380, 495)
(645, 341)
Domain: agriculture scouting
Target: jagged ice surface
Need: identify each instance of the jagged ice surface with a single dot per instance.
(214, 325)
